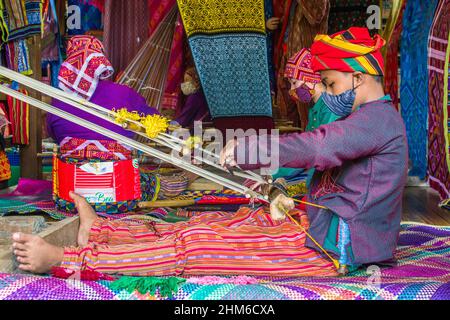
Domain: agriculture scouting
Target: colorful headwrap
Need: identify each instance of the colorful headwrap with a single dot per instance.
(299, 67)
(348, 51)
(85, 65)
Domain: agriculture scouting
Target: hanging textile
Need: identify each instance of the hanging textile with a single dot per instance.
(349, 13)
(305, 19)
(176, 68)
(228, 43)
(51, 44)
(18, 56)
(91, 16)
(438, 129)
(19, 116)
(269, 13)
(147, 72)
(124, 30)
(391, 75)
(417, 20)
(22, 18)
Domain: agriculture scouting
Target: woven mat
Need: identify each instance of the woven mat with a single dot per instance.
(423, 272)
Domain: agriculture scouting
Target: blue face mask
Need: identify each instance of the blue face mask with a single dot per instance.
(341, 104)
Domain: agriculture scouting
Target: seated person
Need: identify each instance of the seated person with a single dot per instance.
(195, 107)
(368, 148)
(306, 87)
(361, 160)
(84, 74)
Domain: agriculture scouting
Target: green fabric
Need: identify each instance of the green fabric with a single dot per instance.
(320, 114)
(284, 172)
(144, 285)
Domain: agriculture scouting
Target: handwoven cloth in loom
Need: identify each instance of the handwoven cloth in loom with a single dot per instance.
(438, 72)
(233, 70)
(417, 21)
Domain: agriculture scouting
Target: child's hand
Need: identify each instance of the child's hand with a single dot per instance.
(273, 23)
(280, 205)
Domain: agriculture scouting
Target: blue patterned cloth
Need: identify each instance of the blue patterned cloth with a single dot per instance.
(417, 21)
(233, 70)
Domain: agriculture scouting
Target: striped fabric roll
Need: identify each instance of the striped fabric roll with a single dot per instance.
(247, 242)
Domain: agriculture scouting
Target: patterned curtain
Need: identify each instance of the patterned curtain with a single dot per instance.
(124, 31)
(438, 73)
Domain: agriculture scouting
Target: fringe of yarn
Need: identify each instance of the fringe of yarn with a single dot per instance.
(144, 285)
(84, 275)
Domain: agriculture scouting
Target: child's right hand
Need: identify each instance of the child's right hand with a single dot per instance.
(280, 205)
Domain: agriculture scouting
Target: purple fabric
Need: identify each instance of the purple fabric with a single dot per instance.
(195, 109)
(108, 95)
(369, 154)
(30, 187)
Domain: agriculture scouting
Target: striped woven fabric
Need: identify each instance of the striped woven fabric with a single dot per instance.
(422, 273)
(19, 115)
(213, 243)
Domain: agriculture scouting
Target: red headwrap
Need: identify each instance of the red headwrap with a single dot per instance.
(85, 65)
(348, 51)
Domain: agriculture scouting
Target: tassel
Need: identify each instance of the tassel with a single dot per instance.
(84, 275)
(146, 285)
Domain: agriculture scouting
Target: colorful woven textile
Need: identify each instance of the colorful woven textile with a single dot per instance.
(348, 51)
(438, 73)
(219, 16)
(172, 186)
(124, 23)
(391, 78)
(93, 149)
(19, 116)
(299, 67)
(349, 13)
(18, 56)
(5, 168)
(22, 18)
(229, 47)
(212, 243)
(90, 16)
(85, 65)
(100, 182)
(417, 20)
(422, 273)
(233, 70)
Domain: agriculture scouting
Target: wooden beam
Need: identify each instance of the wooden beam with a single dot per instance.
(30, 163)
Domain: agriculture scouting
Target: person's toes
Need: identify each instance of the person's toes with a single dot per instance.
(20, 253)
(25, 267)
(19, 246)
(23, 260)
(23, 238)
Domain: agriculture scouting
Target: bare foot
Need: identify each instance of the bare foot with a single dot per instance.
(87, 218)
(34, 254)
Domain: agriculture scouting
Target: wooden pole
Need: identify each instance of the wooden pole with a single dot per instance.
(30, 163)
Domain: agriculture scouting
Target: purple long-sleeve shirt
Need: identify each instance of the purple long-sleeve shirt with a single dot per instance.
(108, 95)
(367, 156)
